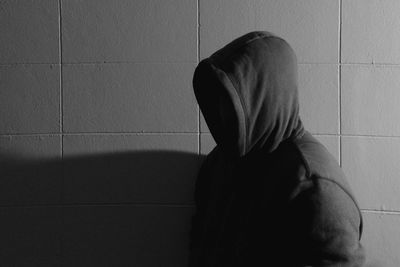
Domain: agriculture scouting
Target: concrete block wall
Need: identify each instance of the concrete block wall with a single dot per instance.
(101, 137)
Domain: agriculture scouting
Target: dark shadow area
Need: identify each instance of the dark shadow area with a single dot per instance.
(135, 177)
(121, 209)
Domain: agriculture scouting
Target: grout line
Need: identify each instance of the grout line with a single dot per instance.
(340, 115)
(340, 31)
(132, 133)
(97, 133)
(61, 183)
(325, 134)
(130, 62)
(364, 64)
(388, 212)
(316, 63)
(198, 60)
(99, 204)
(198, 31)
(370, 135)
(29, 134)
(374, 64)
(174, 133)
(388, 65)
(100, 62)
(28, 63)
(340, 82)
(340, 112)
(61, 77)
(155, 204)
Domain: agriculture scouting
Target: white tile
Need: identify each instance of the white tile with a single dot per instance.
(310, 26)
(207, 143)
(331, 142)
(29, 99)
(222, 21)
(372, 168)
(125, 30)
(370, 100)
(203, 125)
(129, 97)
(381, 239)
(318, 98)
(130, 168)
(29, 31)
(30, 147)
(370, 31)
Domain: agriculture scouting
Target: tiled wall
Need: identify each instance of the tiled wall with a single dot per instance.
(105, 85)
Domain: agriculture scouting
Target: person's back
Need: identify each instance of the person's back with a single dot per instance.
(269, 194)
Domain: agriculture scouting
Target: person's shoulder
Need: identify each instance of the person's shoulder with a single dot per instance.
(318, 160)
(321, 166)
(323, 171)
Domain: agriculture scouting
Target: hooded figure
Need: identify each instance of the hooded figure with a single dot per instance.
(269, 194)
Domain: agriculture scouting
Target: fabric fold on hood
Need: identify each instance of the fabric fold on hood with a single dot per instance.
(247, 92)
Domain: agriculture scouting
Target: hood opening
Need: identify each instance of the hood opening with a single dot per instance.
(218, 107)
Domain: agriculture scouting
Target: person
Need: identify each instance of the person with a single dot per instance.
(268, 194)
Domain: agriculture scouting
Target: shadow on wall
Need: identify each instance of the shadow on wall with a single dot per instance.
(120, 209)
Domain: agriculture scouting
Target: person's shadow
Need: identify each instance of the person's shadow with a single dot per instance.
(121, 209)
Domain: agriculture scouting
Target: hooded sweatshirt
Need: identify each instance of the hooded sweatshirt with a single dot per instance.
(268, 194)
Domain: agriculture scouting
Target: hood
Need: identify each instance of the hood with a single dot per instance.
(247, 92)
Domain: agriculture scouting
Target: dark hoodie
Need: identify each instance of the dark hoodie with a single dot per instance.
(269, 194)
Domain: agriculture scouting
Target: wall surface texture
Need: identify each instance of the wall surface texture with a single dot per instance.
(101, 137)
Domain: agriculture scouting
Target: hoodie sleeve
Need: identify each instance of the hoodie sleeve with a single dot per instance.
(330, 223)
